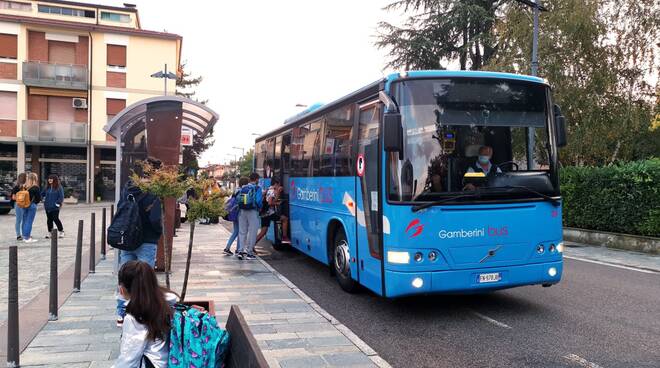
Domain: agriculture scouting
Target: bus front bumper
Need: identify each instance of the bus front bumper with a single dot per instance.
(468, 280)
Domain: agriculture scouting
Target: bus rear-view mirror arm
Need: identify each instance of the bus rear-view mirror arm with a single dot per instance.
(560, 127)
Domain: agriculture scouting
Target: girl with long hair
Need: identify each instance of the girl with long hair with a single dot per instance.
(32, 186)
(18, 210)
(146, 327)
(53, 197)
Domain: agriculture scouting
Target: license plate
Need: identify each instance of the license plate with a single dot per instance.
(489, 277)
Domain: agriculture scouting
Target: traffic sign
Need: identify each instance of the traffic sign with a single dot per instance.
(360, 165)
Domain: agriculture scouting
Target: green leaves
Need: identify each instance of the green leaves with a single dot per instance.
(619, 198)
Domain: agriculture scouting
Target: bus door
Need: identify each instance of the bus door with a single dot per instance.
(368, 212)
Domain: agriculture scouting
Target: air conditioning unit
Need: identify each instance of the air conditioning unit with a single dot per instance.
(79, 103)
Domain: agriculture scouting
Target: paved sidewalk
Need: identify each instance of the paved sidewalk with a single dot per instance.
(289, 327)
(613, 256)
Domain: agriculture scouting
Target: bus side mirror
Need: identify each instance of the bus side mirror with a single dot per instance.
(560, 127)
(393, 134)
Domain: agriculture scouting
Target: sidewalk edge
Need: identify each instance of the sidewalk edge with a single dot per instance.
(350, 335)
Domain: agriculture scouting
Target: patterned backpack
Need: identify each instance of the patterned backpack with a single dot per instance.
(196, 340)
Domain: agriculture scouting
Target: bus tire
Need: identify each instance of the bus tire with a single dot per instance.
(341, 262)
(279, 247)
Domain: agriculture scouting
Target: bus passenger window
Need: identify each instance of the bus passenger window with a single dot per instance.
(336, 156)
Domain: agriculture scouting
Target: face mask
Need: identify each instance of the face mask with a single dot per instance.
(484, 159)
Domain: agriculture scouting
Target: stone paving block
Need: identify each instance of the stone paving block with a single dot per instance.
(303, 362)
(104, 364)
(300, 327)
(348, 360)
(56, 349)
(61, 358)
(329, 341)
(286, 343)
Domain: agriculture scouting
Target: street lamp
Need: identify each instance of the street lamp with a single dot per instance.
(301, 105)
(165, 75)
(537, 8)
(242, 150)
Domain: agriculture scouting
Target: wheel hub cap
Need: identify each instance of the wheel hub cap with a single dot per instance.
(342, 258)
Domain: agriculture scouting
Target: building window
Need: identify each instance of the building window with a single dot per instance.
(116, 55)
(116, 17)
(8, 46)
(15, 5)
(7, 105)
(66, 11)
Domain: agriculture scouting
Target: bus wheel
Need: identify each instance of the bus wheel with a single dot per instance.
(279, 246)
(341, 263)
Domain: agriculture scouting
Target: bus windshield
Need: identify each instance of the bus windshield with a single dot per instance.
(466, 138)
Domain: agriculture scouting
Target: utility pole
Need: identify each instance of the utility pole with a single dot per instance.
(531, 134)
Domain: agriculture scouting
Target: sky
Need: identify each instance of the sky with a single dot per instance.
(259, 59)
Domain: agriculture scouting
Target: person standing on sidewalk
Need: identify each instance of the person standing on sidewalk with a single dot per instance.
(29, 212)
(53, 197)
(152, 229)
(250, 198)
(146, 328)
(232, 215)
(18, 210)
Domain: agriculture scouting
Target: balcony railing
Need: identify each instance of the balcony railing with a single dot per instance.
(42, 74)
(55, 132)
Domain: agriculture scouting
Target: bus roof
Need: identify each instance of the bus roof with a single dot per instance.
(364, 92)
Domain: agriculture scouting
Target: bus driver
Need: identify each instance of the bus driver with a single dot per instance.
(482, 165)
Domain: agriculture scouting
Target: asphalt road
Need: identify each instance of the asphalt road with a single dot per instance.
(598, 316)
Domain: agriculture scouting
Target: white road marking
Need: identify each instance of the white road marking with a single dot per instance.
(581, 361)
(612, 265)
(488, 319)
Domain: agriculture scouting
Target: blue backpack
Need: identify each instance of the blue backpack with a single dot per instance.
(231, 207)
(196, 340)
(247, 197)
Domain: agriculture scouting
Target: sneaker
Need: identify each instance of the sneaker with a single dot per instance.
(19, 238)
(120, 321)
(60, 234)
(241, 256)
(47, 236)
(30, 240)
(251, 257)
(286, 240)
(228, 252)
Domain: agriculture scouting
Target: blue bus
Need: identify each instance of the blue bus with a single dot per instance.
(425, 182)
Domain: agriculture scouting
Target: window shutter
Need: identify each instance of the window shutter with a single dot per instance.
(8, 46)
(116, 55)
(114, 106)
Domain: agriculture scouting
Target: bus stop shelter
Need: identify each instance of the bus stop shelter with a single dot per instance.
(153, 128)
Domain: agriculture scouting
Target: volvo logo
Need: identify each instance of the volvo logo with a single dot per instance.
(491, 252)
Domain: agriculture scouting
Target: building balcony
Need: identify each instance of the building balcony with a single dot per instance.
(40, 131)
(43, 74)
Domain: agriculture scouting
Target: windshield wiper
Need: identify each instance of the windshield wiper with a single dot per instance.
(555, 202)
(422, 206)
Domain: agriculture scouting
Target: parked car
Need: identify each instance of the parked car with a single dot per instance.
(6, 203)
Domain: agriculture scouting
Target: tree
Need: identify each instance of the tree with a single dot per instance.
(441, 32)
(245, 163)
(185, 87)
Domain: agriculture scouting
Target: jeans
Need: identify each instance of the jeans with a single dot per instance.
(249, 223)
(54, 216)
(19, 219)
(145, 253)
(28, 219)
(234, 236)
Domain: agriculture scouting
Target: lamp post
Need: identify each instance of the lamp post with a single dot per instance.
(536, 9)
(165, 75)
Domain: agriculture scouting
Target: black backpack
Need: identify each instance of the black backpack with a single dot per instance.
(125, 231)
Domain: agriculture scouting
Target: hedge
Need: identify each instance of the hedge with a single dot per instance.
(623, 198)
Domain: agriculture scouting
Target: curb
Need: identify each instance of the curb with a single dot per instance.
(644, 244)
(358, 342)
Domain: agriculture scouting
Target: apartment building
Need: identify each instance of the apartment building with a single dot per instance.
(65, 69)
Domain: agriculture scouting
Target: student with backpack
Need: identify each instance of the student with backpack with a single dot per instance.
(53, 197)
(18, 210)
(135, 229)
(28, 198)
(146, 327)
(250, 198)
(232, 215)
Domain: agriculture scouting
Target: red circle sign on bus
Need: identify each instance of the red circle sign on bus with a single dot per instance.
(360, 165)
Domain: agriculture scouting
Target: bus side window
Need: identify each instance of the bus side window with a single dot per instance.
(336, 155)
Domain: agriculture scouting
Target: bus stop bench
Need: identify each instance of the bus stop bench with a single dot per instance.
(244, 352)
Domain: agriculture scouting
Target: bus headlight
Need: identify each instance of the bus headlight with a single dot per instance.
(433, 256)
(560, 247)
(552, 272)
(398, 257)
(540, 249)
(419, 257)
(417, 282)
(552, 248)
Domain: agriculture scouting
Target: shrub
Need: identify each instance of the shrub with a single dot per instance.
(622, 198)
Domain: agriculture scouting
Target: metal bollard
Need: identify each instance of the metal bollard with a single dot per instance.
(78, 263)
(92, 245)
(52, 300)
(112, 212)
(13, 347)
(103, 235)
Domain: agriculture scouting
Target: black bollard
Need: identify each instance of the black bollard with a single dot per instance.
(78, 267)
(13, 347)
(52, 300)
(103, 235)
(112, 212)
(92, 245)
(190, 246)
